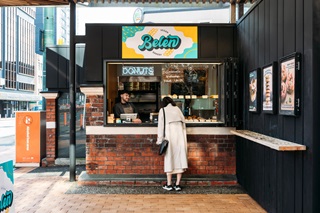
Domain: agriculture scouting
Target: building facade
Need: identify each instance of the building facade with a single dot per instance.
(18, 60)
(52, 28)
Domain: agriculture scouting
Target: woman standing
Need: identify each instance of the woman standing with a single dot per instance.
(175, 159)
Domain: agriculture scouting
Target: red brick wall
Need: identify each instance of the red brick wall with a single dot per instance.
(94, 110)
(135, 154)
(51, 141)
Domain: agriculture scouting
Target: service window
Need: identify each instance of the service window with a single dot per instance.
(195, 87)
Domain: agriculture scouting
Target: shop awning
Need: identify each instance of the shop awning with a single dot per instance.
(14, 96)
(66, 2)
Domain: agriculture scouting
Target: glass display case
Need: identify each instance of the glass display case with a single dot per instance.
(197, 91)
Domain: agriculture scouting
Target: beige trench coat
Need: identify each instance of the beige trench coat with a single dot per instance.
(175, 159)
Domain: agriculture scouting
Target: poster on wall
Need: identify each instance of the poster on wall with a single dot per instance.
(159, 42)
(269, 88)
(6, 187)
(289, 101)
(254, 91)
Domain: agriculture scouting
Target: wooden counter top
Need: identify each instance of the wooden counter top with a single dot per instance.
(273, 143)
(143, 130)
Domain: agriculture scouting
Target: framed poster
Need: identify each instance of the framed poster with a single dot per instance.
(289, 87)
(269, 88)
(254, 90)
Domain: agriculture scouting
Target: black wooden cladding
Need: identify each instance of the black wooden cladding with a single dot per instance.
(57, 71)
(104, 42)
(282, 181)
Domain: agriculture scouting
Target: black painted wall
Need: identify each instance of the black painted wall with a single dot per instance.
(282, 181)
(57, 67)
(103, 42)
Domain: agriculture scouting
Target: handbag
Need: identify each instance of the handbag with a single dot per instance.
(164, 144)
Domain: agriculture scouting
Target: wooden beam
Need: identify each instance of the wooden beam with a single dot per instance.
(233, 12)
(240, 10)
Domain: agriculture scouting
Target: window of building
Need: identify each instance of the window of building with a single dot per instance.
(64, 126)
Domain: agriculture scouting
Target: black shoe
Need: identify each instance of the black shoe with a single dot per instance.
(177, 187)
(168, 188)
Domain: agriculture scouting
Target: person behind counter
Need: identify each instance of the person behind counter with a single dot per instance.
(124, 106)
(175, 159)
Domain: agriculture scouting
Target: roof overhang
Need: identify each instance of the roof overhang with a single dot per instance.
(4, 3)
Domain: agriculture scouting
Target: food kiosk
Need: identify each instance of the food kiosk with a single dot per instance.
(194, 65)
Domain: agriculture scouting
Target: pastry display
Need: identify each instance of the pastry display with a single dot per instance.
(290, 83)
(287, 83)
(253, 89)
(283, 91)
(195, 118)
(268, 89)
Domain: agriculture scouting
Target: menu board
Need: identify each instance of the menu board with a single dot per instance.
(194, 83)
(173, 75)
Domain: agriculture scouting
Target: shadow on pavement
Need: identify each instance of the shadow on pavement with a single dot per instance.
(57, 171)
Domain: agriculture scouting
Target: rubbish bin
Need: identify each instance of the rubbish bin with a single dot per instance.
(30, 138)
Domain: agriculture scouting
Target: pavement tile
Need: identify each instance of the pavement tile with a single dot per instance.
(47, 193)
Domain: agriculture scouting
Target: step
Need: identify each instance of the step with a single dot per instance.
(154, 180)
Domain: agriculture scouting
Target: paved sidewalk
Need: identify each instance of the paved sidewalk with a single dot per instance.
(50, 191)
(7, 127)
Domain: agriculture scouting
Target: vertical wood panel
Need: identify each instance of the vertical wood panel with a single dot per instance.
(52, 66)
(225, 42)
(310, 108)
(251, 64)
(111, 42)
(289, 47)
(273, 119)
(316, 102)
(262, 51)
(267, 32)
(274, 161)
(298, 182)
(283, 180)
(208, 46)
(63, 72)
(256, 38)
(93, 52)
(260, 55)
(280, 54)
(288, 182)
(299, 48)
(273, 31)
(280, 182)
(267, 174)
(289, 26)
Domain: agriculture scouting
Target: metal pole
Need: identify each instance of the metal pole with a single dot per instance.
(72, 93)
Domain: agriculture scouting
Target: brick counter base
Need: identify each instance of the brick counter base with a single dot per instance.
(138, 154)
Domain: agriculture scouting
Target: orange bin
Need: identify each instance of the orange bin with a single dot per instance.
(30, 137)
